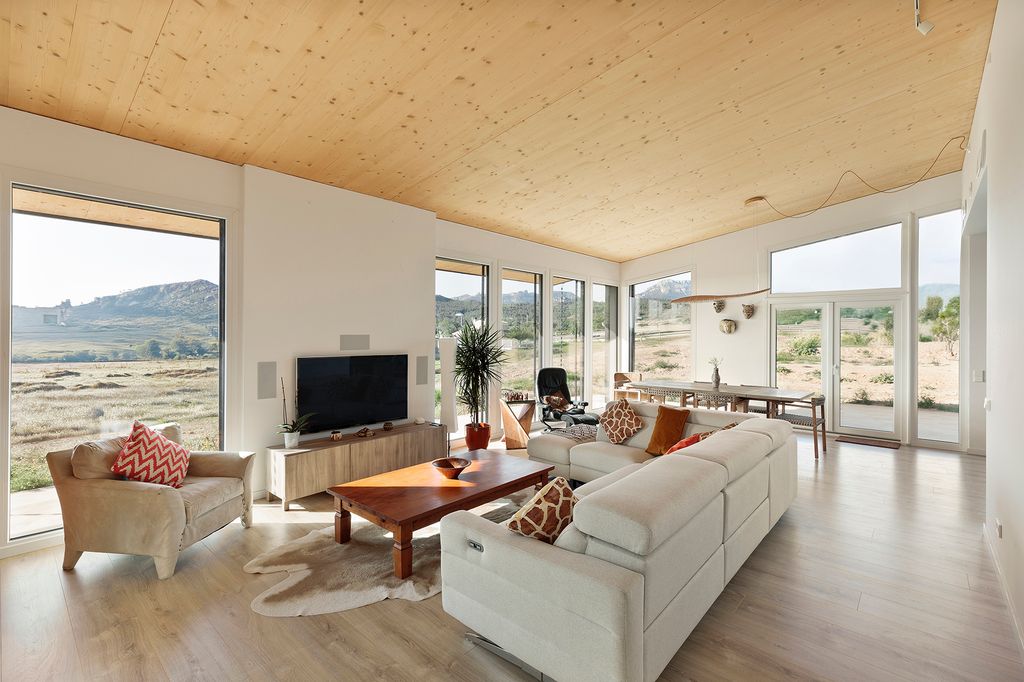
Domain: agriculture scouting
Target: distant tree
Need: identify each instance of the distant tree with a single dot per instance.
(151, 350)
(946, 327)
(931, 310)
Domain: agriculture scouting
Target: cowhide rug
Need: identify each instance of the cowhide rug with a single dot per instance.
(325, 577)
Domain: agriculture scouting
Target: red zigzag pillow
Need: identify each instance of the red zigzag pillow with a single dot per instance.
(149, 457)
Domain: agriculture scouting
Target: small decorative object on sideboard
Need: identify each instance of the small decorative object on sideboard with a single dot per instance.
(388, 426)
(512, 396)
(451, 467)
(335, 435)
(719, 305)
(748, 310)
(727, 326)
(291, 429)
(716, 378)
(365, 432)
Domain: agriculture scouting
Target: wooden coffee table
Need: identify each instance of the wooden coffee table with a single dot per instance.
(415, 497)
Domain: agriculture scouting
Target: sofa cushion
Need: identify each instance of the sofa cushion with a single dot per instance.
(640, 511)
(547, 447)
(737, 451)
(668, 429)
(606, 457)
(607, 480)
(778, 430)
(546, 515)
(619, 421)
(94, 458)
(204, 493)
(572, 539)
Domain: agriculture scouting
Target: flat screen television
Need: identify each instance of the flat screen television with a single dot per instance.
(352, 390)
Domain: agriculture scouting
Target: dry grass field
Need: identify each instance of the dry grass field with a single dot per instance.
(57, 405)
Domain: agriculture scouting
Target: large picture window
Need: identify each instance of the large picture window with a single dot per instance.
(521, 320)
(661, 345)
(116, 315)
(938, 320)
(460, 297)
(568, 306)
(864, 260)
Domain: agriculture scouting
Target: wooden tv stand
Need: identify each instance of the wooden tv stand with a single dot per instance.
(316, 465)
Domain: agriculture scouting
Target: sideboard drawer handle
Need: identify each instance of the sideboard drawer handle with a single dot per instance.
(473, 544)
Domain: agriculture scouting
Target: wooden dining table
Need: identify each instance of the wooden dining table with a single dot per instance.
(737, 396)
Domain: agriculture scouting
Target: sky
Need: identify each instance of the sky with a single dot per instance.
(870, 259)
(57, 259)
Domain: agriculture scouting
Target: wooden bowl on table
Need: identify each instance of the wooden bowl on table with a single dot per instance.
(451, 467)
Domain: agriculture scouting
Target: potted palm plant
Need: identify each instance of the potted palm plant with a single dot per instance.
(478, 358)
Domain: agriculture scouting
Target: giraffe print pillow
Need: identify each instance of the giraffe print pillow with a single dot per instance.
(547, 514)
(620, 421)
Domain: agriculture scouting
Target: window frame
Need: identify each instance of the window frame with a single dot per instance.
(231, 375)
(790, 245)
(627, 287)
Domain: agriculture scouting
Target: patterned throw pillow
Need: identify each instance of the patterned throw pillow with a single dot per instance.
(620, 421)
(696, 438)
(149, 457)
(547, 514)
(557, 401)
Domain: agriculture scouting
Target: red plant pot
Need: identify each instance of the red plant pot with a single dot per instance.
(478, 436)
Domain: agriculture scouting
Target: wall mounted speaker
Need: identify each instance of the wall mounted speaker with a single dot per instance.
(266, 380)
(355, 342)
(421, 370)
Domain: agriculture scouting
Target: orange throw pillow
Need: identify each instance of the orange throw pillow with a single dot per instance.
(668, 429)
(547, 514)
(685, 443)
(697, 437)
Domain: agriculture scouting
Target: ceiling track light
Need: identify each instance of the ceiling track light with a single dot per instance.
(923, 27)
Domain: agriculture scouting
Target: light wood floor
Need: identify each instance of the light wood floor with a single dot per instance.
(878, 571)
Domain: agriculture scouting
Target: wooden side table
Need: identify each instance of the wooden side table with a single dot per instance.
(516, 420)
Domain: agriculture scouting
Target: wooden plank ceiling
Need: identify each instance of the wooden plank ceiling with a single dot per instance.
(612, 128)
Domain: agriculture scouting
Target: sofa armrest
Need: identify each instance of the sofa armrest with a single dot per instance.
(569, 615)
(123, 517)
(227, 464)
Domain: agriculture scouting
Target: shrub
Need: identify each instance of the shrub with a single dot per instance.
(855, 339)
(783, 370)
(883, 378)
(926, 401)
(806, 346)
(925, 338)
(664, 364)
(860, 397)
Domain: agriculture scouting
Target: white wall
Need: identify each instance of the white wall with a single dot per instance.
(1000, 180)
(320, 262)
(738, 262)
(305, 262)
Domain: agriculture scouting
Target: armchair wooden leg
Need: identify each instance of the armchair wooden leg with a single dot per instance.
(71, 557)
(247, 516)
(165, 566)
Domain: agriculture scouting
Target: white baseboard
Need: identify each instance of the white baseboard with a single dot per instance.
(1018, 625)
(45, 540)
(980, 452)
(259, 494)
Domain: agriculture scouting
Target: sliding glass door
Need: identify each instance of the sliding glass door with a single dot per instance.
(521, 324)
(844, 350)
(116, 316)
(604, 342)
(568, 306)
(865, 368)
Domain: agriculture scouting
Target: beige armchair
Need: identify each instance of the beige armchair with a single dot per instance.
(103, 513)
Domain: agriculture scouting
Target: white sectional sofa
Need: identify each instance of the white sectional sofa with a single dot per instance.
(587, 461)
(651, 546)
